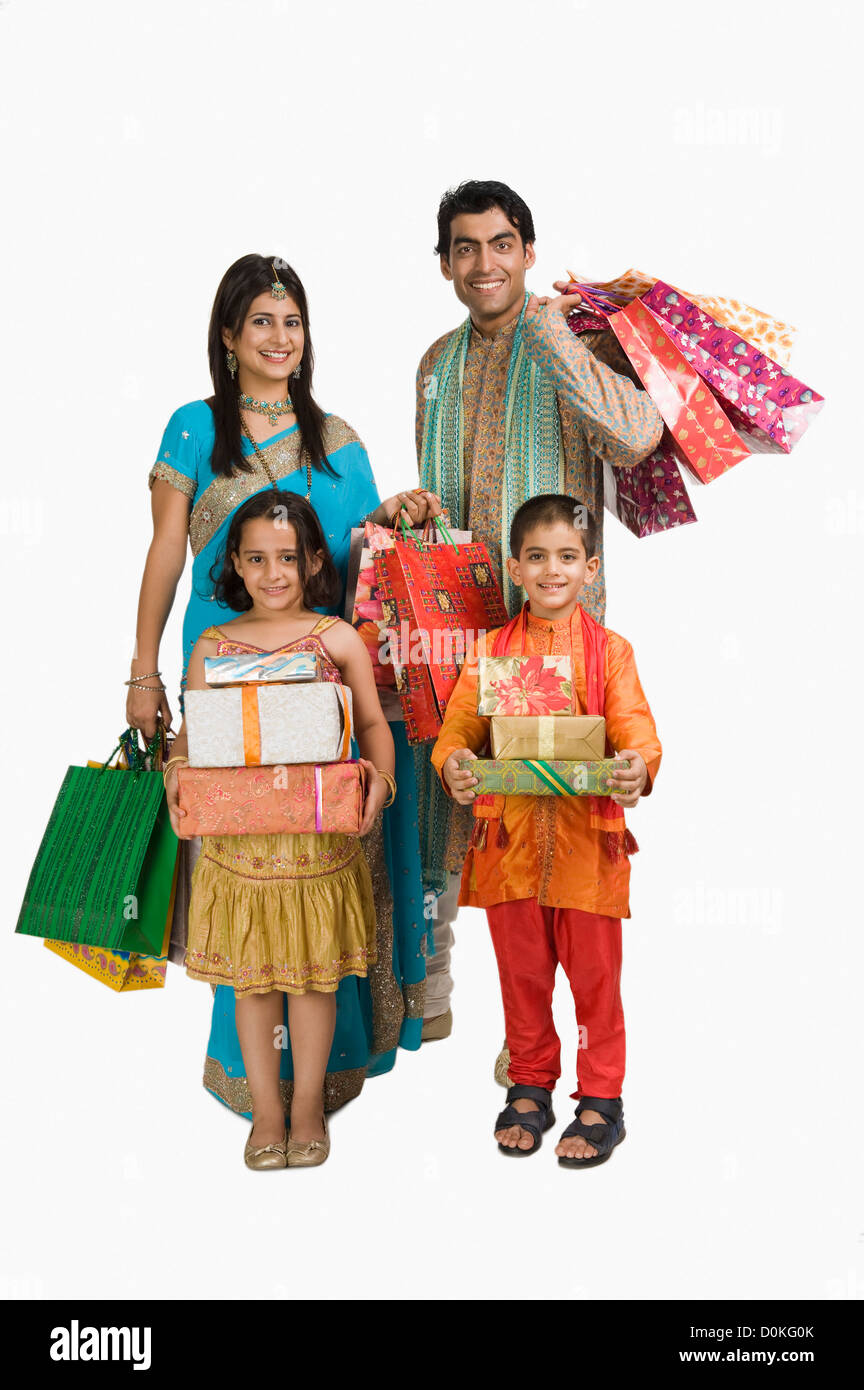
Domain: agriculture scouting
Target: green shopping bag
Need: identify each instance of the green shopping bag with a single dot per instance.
(105, 867)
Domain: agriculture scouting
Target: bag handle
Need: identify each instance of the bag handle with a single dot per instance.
(137, 758)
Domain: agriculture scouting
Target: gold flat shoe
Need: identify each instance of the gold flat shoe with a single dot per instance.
(309, 1153)
(269, 1156)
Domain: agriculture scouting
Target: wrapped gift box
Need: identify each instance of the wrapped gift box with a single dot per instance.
(259, 725)
(261, 666)
(520, 685)
(543, 777)
(577, 737)
(296, 799)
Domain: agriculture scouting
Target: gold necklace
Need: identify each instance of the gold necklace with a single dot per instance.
(265, 465)
(272, 409)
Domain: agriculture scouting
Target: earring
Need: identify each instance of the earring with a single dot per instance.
(231, 363)
(296, 371)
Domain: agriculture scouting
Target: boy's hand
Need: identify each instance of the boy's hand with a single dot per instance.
(630, 781)
(461, 781)
(377, 792)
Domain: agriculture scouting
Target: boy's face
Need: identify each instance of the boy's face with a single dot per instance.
(553, 568)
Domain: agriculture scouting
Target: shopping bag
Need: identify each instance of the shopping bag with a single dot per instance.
(436, 599)
(104, 872)
(650, 496)
(769, 334)
(123, 971)
(770, 407)
(363, 596)
(704, 435)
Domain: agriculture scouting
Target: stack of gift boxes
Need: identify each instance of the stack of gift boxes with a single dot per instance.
(539, 747)
(269, 750)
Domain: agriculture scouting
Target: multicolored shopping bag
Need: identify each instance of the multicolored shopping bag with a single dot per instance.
(768, 405)
(436, 599)
(767, 333)
(650, 496)
(105, 870)
(704, 435)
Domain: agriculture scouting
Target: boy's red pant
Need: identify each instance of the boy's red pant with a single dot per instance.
(529, 942)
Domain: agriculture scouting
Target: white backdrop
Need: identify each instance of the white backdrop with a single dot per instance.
(144, 149)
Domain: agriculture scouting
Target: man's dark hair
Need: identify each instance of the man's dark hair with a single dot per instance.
(479, 195)
(545, 510)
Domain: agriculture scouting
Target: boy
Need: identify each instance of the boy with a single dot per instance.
(553, 873)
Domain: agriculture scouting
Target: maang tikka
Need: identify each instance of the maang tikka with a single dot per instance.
(277, 289)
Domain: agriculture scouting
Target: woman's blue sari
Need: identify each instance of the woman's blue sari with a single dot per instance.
(377, 1014)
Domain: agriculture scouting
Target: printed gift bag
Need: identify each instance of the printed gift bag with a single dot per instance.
(768, 405)
(436, 600)
(649, 496)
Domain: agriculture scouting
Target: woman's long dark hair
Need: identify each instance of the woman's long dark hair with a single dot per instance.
(241, 283)
(320, 590)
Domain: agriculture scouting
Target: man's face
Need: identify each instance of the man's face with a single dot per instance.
(487, 265)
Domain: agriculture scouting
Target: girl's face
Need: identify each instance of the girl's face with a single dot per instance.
(269, 345)
(267, 563)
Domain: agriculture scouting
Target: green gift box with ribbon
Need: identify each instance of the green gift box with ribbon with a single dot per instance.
(104, 871)
(543, 776)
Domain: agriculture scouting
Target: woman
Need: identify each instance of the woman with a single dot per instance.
(261, 428)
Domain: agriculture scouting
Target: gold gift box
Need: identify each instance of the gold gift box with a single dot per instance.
(574, 737)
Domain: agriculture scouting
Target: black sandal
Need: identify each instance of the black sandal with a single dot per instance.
(603, 1137)
(535, 1121)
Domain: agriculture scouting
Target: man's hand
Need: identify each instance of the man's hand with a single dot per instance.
(565, 303)
(416, 505)
(461, 781)
(630, 781)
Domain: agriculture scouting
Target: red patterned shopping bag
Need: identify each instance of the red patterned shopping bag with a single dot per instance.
(650, 496)
(437, 600)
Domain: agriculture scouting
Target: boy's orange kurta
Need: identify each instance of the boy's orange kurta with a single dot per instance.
(552, 853)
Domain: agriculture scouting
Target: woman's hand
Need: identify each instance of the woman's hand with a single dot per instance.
(377, 792)
(416, 505)
(144, 709)
(175, 810)
(631, 781)
(461, 781)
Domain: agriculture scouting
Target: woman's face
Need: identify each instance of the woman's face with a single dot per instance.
(269, 344)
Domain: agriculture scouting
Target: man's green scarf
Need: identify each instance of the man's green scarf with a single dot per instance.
(533, 464)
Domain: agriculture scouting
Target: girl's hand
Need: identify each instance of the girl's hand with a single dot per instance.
(175, 810)
(143, 709)
(377, 792)
(461, 781)
(632, 780)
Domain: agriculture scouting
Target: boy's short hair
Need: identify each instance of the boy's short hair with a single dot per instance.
(548, 508)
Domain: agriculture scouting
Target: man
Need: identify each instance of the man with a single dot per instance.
(509, 405)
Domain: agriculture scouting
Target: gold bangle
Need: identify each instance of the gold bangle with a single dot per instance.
(172, 762)
(391, 782)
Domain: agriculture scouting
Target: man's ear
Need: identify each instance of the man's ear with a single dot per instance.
(445, 268)
(514, 570)
(530, 255)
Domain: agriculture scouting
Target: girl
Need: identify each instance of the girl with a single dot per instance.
(285, 914)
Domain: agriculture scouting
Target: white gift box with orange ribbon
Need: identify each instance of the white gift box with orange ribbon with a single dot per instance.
(262, 725)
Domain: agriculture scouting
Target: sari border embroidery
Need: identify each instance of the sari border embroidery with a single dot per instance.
(164, 473)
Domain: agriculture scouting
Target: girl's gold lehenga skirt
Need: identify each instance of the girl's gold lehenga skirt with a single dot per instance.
(288, 912)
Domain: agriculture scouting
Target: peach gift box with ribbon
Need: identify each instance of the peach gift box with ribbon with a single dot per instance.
(261, 725)
(294, 799)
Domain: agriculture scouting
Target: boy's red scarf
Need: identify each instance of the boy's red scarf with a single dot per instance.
(605, 814)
